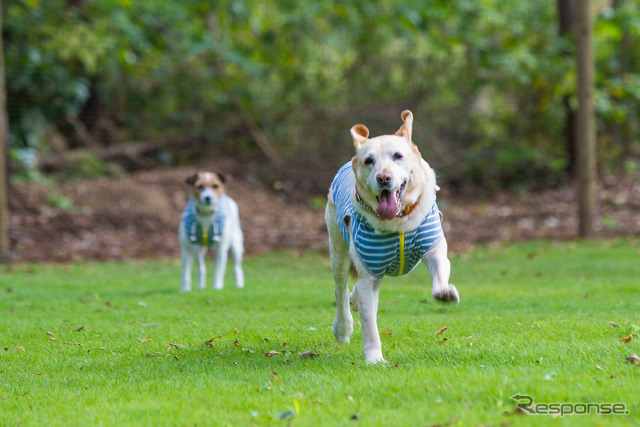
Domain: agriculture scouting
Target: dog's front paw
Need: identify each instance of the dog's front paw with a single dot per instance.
(447, 295)
(342, 330)
(374, 357)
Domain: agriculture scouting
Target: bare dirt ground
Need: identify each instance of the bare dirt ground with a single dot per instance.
(137, 216)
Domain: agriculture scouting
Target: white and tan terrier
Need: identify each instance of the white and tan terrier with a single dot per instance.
(383, 219)
(210, 219)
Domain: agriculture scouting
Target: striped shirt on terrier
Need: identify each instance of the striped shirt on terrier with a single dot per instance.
(194, 230)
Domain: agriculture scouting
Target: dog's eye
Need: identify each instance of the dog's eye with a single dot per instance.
(200, 187)
(397, 156)
(369, 161)
(215, 186)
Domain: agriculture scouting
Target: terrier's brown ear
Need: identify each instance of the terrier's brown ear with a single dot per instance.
(360, 135)
(191, 179)
(407, 127)
(222, 177)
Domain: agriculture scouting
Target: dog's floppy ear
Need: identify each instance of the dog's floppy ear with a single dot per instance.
(192, 179)
(407, 127)
(360, 134)
(222, 177)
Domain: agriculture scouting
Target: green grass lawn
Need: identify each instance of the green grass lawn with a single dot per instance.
(117, 344)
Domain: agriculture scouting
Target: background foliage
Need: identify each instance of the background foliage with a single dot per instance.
(486, 79)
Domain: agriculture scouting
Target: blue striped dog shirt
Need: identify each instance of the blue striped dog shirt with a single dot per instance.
(193, 228)
(383, 253)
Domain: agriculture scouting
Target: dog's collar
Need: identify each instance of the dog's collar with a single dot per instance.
(369, 209)
(200, 213)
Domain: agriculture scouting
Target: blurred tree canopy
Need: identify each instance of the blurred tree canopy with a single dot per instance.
(486, 79)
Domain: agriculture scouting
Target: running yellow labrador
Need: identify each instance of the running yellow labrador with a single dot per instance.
(383, 219)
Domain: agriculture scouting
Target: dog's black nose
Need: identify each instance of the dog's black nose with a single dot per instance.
(208, 200)
(383, 179)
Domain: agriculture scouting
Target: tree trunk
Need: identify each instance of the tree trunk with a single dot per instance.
(4, 173)
(586, 128)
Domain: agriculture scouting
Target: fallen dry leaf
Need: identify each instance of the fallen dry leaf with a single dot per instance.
(78, 329)
(387, 332)
(271, 353)
(441, 330)
(613, 324)
(19, 347)
(50, 333)
(308, 354)
(210, 342)
(145, 340)
(626, 340)
(176, 345)
(73, 343)
(443, 341)
(520, 411)
(598, 367)
(108, 304)
(633, 358)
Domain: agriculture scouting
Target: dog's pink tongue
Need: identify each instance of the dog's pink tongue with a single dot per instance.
(388, 206)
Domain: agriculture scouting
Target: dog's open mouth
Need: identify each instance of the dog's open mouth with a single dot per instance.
(389, 203)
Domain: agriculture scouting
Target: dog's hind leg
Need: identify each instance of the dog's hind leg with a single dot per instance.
(440, 269)
(340, 265)
(237, 251)
(353, 299)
